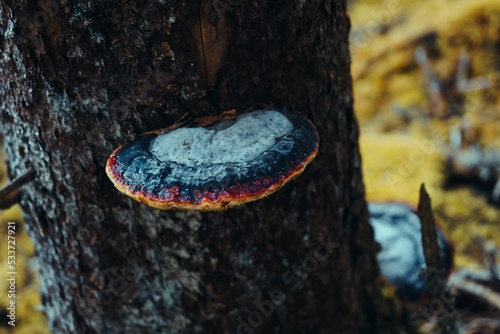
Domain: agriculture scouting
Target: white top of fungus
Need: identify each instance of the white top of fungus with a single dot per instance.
(235, 141)
(397, 229)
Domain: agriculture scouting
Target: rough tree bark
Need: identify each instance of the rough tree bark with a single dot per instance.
(79, 78)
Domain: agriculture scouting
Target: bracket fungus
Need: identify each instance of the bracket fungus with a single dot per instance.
(401, 258)
(227, 162)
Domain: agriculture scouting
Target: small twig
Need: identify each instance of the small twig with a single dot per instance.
(475, 289)
(429, 232)
(466, 161)
(433, 272)
(480, 324)
(462, 70)
(434, 85)
(447, 96)
(491, 258)
(480, 276)
(10, 194)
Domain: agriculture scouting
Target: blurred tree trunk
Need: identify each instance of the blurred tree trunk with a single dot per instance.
(79, 78)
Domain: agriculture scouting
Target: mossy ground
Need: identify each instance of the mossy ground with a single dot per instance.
(402, 145)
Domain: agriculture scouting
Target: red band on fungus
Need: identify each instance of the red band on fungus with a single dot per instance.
(224, 164)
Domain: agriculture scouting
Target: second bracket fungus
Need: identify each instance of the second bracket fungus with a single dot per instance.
(216, 166)
(401, 258)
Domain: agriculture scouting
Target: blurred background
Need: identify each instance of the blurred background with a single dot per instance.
(420, 123)
(30, 318)
(427, 96)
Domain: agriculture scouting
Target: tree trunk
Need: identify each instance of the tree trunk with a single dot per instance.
(80, 78)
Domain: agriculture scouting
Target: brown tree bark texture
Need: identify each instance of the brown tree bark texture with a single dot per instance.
(80, 78)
